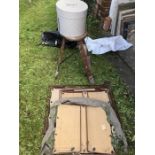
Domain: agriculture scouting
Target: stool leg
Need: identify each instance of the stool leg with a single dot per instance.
(62, 50)
(61, 55)
(86, 61)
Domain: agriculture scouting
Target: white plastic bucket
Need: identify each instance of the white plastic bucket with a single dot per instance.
(71, 15)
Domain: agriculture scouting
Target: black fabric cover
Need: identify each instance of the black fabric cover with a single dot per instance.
(54, 39)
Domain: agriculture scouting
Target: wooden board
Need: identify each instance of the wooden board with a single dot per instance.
(69, 95)
(103, 96)
(99, 131)
(67, 134)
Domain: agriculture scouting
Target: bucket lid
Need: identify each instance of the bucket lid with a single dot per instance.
(72, 5)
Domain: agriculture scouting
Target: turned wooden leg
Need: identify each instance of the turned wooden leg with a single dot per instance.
(86, 61)
(62, 50)
(61, 55)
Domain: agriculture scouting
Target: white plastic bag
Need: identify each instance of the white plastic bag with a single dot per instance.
(104, 45)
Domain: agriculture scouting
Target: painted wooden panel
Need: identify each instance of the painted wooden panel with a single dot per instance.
(99, 131)
(67, 134)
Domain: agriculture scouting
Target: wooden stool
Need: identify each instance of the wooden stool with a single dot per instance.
(83, 52)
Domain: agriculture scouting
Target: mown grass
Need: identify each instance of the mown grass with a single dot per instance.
(37, 69)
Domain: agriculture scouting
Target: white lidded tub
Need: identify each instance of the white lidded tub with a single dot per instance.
(71, 15)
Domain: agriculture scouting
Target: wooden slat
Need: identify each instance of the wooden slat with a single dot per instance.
(83, 130)
(71, 95)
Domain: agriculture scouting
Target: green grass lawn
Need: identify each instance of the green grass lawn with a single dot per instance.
(37, 69)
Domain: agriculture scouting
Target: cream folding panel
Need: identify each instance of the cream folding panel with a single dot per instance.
(99, 131)
(67, 134)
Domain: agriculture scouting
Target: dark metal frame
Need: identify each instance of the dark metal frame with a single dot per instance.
(70, 88)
